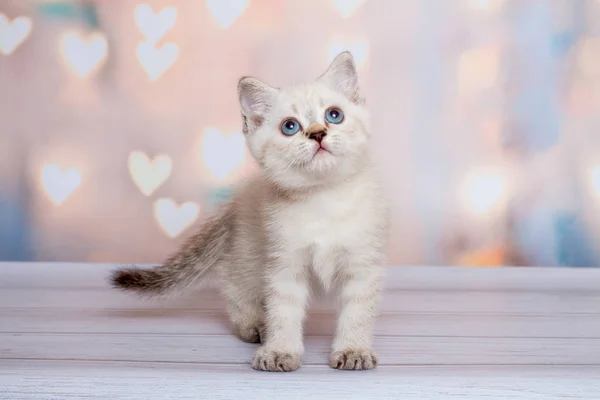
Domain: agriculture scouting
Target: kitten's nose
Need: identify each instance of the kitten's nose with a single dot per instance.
(318, 136)
(316, 132)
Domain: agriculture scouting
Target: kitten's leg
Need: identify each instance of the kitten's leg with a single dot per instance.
(247, 320)
(286, 299)
(246, 311)
(352, 347)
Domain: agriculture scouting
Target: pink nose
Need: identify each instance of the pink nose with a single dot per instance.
(318, 136)
(316, 132)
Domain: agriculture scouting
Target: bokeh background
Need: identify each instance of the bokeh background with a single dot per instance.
(120, 129)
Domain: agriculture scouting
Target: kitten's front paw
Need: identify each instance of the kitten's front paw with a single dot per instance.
(355, 359)
(275, 361)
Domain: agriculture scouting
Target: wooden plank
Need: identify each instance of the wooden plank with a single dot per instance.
(444, 333)
(393, 301)
(89, 275)
(154, 321)
(227, 349)
(35, 380)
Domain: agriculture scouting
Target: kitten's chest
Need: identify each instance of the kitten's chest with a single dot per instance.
(332, 220)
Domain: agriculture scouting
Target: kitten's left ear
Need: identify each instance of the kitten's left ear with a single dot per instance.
(342, 76)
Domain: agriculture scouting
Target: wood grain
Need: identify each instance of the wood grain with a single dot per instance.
(443, 333)
(214, 349)
(157, 321)
(38, 380)
(90, 275)
(395, 300)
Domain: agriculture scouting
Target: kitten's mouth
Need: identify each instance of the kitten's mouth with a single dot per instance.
(321, 150)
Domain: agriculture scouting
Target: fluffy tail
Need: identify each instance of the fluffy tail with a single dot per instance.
(195, 258)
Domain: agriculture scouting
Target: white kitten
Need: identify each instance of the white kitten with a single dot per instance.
(316, 213)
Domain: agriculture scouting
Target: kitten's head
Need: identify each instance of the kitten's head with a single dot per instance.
(311, 134)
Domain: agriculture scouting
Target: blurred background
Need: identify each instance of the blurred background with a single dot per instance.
(120, 129)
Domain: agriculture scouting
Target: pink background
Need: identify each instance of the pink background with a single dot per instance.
(486, 118)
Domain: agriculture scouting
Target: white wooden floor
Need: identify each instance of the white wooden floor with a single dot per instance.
(444, 333)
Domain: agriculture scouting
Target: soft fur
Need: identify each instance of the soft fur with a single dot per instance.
(309, 218)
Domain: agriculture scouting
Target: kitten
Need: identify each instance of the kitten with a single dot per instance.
(314, 215)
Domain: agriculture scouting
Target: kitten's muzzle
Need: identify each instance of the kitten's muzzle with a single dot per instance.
(316, 132)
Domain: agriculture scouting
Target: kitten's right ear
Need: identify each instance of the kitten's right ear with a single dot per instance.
(256, 99)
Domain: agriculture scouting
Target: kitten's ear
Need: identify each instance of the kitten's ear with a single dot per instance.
(342, 76)
(256, 99)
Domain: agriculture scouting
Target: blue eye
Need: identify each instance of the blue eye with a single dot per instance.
(334, 115)
(290, 127)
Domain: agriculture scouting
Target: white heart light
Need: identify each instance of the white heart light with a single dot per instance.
(359, 50)
(225, 12)
(347, 7)
(154, 25)
(58, 184)
(173, 218)
(84, 55)
(148, 174)
(222, 154)
(157, 61)
(12, 34)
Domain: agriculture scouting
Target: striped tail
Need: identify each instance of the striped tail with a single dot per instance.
(189, 265)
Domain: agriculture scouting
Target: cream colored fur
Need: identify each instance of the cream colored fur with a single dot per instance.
(309, 219)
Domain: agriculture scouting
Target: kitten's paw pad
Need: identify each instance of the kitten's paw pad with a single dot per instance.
(353, 359)
(250, 334)
(275, 361)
